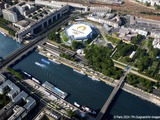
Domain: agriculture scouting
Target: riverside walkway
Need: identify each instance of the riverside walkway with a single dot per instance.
(114, 92)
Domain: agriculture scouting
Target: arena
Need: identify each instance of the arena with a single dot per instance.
(79, 31)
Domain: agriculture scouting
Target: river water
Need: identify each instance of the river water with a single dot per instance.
(7, 46)
(85, 91)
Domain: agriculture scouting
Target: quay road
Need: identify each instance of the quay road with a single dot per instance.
(114, 92)
(15, 55)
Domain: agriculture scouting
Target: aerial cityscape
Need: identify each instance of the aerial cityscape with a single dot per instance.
(79, 59)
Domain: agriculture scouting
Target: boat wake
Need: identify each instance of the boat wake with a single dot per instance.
(39, 64)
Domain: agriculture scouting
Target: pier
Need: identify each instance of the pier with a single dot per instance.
(113, 94)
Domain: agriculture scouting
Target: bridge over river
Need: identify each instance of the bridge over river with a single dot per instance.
(113, 94)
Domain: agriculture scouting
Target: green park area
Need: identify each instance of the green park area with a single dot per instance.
(99, 60)
(123, 50)
(113, 40)
(19, 75)
(144, 59)
(65, 38)
(143, 83)
(54, 37)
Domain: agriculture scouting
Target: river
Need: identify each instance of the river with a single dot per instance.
(7, 46)
(84, 90)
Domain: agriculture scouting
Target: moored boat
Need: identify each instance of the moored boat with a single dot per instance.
(79, 71)
(88, 110)
(3, 34)
(35, 80)
(45, 61)
(55, 61)
(76, 104)
(27, 74)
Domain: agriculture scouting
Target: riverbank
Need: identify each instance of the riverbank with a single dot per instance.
(130, 89)
(141, 94)
(56, 102)
(6, 33)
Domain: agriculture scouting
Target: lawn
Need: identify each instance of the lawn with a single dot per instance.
(65, 38)
(63, 32)
(116, 56)
(143, 43)
(112, 39)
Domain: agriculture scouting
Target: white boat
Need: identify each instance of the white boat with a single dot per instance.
(55, 61)
(95, 78)
(91, 72)
(88, 110)
(95, 73)
(26, 74)
(35, 80)
(84, 69)
(81, 72)
(39, 64)
(76, 104)
(3, 34)
(90, 76)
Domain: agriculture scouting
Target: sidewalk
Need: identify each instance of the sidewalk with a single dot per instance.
(124, 64)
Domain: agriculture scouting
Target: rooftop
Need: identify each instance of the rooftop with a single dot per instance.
(17, 112)
(30, 101)
(21, 95)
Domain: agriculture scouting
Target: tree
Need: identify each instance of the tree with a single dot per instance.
(148, 4)
(76, 44)
(156, 52)
(127, 59)
(71, 113)
(134, 40)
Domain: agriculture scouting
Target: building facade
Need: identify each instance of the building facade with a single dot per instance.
(10, 15)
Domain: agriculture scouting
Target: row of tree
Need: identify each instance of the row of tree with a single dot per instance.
(149, 45)
(135, 80)
(54, 36)
(19, 75)
(11, 32)
(150, 13)
(68, 57)
(3, 21)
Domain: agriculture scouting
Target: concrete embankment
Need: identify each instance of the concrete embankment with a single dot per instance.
(143, 95)
(3, 30)
(6, 32)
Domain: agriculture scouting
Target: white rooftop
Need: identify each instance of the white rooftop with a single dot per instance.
(79, 31)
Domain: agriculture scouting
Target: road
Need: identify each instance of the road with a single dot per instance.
(123, 64)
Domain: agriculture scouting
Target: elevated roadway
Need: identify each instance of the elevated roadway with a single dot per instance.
(113, 94)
